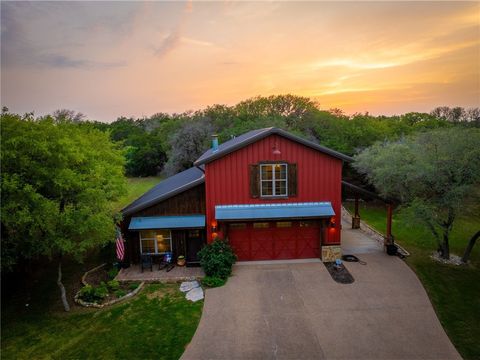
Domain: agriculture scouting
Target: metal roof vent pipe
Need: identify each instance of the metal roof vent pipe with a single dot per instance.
(214, 142)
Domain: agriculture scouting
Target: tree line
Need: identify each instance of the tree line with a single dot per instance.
(168, 143)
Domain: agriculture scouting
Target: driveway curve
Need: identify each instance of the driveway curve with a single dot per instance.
(297, 311)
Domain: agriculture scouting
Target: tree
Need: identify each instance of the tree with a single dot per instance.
(187, 145)
(59, 183)
(433, 174)
(68, 115)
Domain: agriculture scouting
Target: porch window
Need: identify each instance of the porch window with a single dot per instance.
(155, 241)
(273, 180)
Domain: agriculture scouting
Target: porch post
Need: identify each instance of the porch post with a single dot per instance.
(388, 235)
(356, 216)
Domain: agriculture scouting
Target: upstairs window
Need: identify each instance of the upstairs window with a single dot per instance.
(273, 180)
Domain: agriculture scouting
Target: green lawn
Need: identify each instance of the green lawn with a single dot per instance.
(135, 188)
(158, 323)
(453, 290)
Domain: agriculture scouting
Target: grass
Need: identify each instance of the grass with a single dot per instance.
(453, 290)
(135, 188)
(158, 323)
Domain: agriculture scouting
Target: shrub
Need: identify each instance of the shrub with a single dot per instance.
(120, 293)
(113, 285)
(112, 273)
(93, 294)
(133, 285)
(87, 293)
(212, 281)
(217, 259)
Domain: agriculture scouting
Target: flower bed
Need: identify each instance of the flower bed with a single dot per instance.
(101, 289)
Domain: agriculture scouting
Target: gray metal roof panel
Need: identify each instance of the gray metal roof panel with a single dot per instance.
(274, 211)
(167, 222)
(255, 135)
(167, 188)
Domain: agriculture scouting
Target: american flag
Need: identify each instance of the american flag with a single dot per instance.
(120, 246)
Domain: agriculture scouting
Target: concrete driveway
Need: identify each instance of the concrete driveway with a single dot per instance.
(297, 311)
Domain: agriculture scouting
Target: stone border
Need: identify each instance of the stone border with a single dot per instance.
(111, 302)
(168, 281)
(84, 277)
(108, 303)
(370, 231)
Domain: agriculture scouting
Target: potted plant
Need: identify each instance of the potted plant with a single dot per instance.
(181, 260)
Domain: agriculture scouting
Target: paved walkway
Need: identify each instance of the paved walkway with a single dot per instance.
(296, 311)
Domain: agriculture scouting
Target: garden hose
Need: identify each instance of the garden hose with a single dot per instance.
(353, 258)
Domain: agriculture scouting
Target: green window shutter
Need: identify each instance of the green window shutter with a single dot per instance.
(292, 179)
(254, 180)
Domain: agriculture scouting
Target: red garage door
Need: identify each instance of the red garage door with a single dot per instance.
(275, 240)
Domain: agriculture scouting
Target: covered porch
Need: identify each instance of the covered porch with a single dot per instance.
(178, 273)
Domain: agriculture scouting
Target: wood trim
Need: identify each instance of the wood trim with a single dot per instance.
(292, 180)
(254, 180)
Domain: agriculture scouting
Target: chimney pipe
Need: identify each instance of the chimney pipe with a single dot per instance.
(214, 142)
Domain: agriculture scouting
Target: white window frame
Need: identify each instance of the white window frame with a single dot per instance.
(273, 180)
(154, 242)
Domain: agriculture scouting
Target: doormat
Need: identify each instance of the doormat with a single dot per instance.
(339, 273)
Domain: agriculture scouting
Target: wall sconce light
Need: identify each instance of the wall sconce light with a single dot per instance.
(331, 223)
(214, 225)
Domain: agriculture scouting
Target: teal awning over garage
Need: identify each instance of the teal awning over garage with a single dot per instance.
(274, 211)
(167, 222)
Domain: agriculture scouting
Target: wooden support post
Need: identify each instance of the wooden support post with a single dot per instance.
(356, 216)
(389, 222)
(389, 241)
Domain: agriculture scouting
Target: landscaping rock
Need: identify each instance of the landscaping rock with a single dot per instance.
(195, 294)
(186, 286)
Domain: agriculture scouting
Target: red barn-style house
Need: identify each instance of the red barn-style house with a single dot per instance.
(272, 194)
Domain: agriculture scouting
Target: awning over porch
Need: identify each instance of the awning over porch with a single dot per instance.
(167, 222)
(274, 211)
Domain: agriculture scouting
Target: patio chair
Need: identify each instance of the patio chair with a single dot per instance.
(167, 262)
(147, 262)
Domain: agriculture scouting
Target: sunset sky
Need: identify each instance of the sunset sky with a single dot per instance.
(110, 59)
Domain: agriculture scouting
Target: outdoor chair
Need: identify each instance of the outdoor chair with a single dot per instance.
(167, 262)
(147, 262)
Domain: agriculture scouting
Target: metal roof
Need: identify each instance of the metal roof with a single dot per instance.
(167, 188)
(167, 222)
(255, 135)
(274, 211)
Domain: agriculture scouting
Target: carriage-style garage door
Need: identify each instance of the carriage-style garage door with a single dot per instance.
(275, 240)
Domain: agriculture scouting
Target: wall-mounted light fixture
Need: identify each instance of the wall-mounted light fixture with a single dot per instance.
(214, 225)
(331, 222)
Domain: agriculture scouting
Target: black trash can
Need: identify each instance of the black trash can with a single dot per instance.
(392, 250)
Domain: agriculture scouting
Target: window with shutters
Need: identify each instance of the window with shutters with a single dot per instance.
(273, 180)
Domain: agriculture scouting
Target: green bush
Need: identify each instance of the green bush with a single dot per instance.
(119, 293)
(217, 259)
(112, 273)
(101, 291)
(113, 285)
(133, 285)
(212, 281)
(87, 293)
(93, 294)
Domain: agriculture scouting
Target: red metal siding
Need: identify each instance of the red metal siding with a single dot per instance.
(318, 177)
